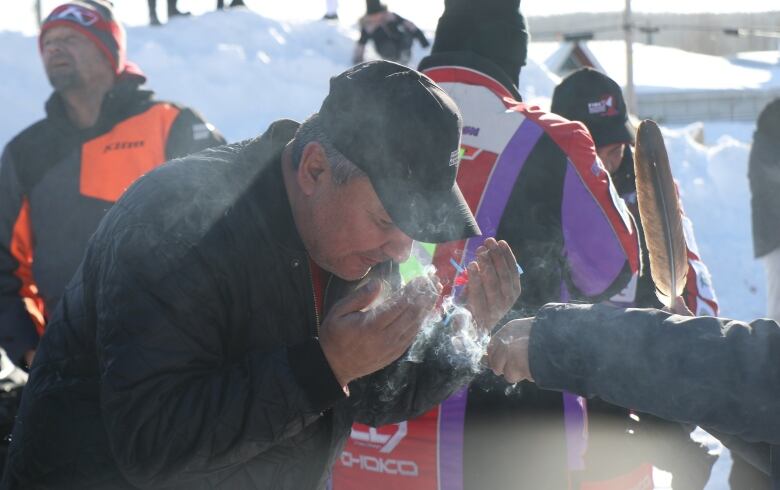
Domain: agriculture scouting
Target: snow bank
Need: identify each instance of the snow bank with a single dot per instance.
(715, 193)
(665, 69)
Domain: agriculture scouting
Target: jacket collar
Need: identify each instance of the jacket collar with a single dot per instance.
(123, 100)
(265, 152)
(468, 59)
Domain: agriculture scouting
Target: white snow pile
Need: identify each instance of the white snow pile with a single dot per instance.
(653, 72)
(715, 194)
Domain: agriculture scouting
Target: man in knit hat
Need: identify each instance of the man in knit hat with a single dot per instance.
(59, 177)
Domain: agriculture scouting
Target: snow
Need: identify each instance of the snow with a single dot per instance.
(245, 68)
(664, 69)
(714, 190)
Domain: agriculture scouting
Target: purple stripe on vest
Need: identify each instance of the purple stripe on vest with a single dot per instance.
(592, 249)
(451, 418)
(576, 437)
(501, 182)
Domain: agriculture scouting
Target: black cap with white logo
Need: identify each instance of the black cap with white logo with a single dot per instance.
(596, 100)
(403, 131)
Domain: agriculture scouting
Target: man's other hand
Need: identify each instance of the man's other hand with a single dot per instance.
(357, 343)
(508, 350)
(494, 283)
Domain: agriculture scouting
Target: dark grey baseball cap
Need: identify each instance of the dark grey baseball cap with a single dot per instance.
(403, 131)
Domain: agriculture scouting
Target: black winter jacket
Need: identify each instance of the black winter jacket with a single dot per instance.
(723, 375)
(184, 353)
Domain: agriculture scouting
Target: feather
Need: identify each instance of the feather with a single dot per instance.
(659, 211)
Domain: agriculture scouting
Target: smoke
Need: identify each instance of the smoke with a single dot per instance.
(448, 337)
(463, 346)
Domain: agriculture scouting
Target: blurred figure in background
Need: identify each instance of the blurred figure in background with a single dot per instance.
(331, 10)
(173, 11)
(764, 175)
(60, 176)
(392, 34)
(234, 3)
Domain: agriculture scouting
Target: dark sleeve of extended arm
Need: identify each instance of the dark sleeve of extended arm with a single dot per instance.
(713, 372)
(191, 133)
(17, 330)
(174, 405)
(431, 371)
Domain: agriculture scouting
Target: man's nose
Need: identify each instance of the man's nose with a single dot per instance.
(398, 247)
(51, 47)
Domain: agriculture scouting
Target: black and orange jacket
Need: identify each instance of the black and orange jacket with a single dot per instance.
(57, 182)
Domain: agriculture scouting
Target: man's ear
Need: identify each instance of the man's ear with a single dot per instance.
(313, 168)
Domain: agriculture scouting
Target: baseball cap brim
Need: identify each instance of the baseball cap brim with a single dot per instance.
(610, 133)
(427, 216)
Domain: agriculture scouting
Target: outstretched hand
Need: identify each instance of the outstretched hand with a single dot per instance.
(508, 350)
(494, 283)
(357, 342)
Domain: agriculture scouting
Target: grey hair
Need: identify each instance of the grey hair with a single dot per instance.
(310, 131)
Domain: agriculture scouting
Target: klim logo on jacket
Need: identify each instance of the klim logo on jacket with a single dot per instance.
(603, 107)
(123, 145)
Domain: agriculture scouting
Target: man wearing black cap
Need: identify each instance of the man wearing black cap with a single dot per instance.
(594, 99)
(59, 176)
(531, 179)
(220, 332)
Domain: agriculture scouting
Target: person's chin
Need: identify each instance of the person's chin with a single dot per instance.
(355, 273)
(356, 270)
(62, 79)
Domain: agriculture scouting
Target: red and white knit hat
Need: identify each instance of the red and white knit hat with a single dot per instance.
(95, 19)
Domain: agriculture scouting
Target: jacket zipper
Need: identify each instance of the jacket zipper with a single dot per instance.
(314, 297)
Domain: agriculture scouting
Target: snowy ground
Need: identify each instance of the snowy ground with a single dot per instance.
(243, 69)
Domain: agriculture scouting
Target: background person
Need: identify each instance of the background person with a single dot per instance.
(392, 34)
(60, 176)
(173, 11)
(594, 99)
(233, 3)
